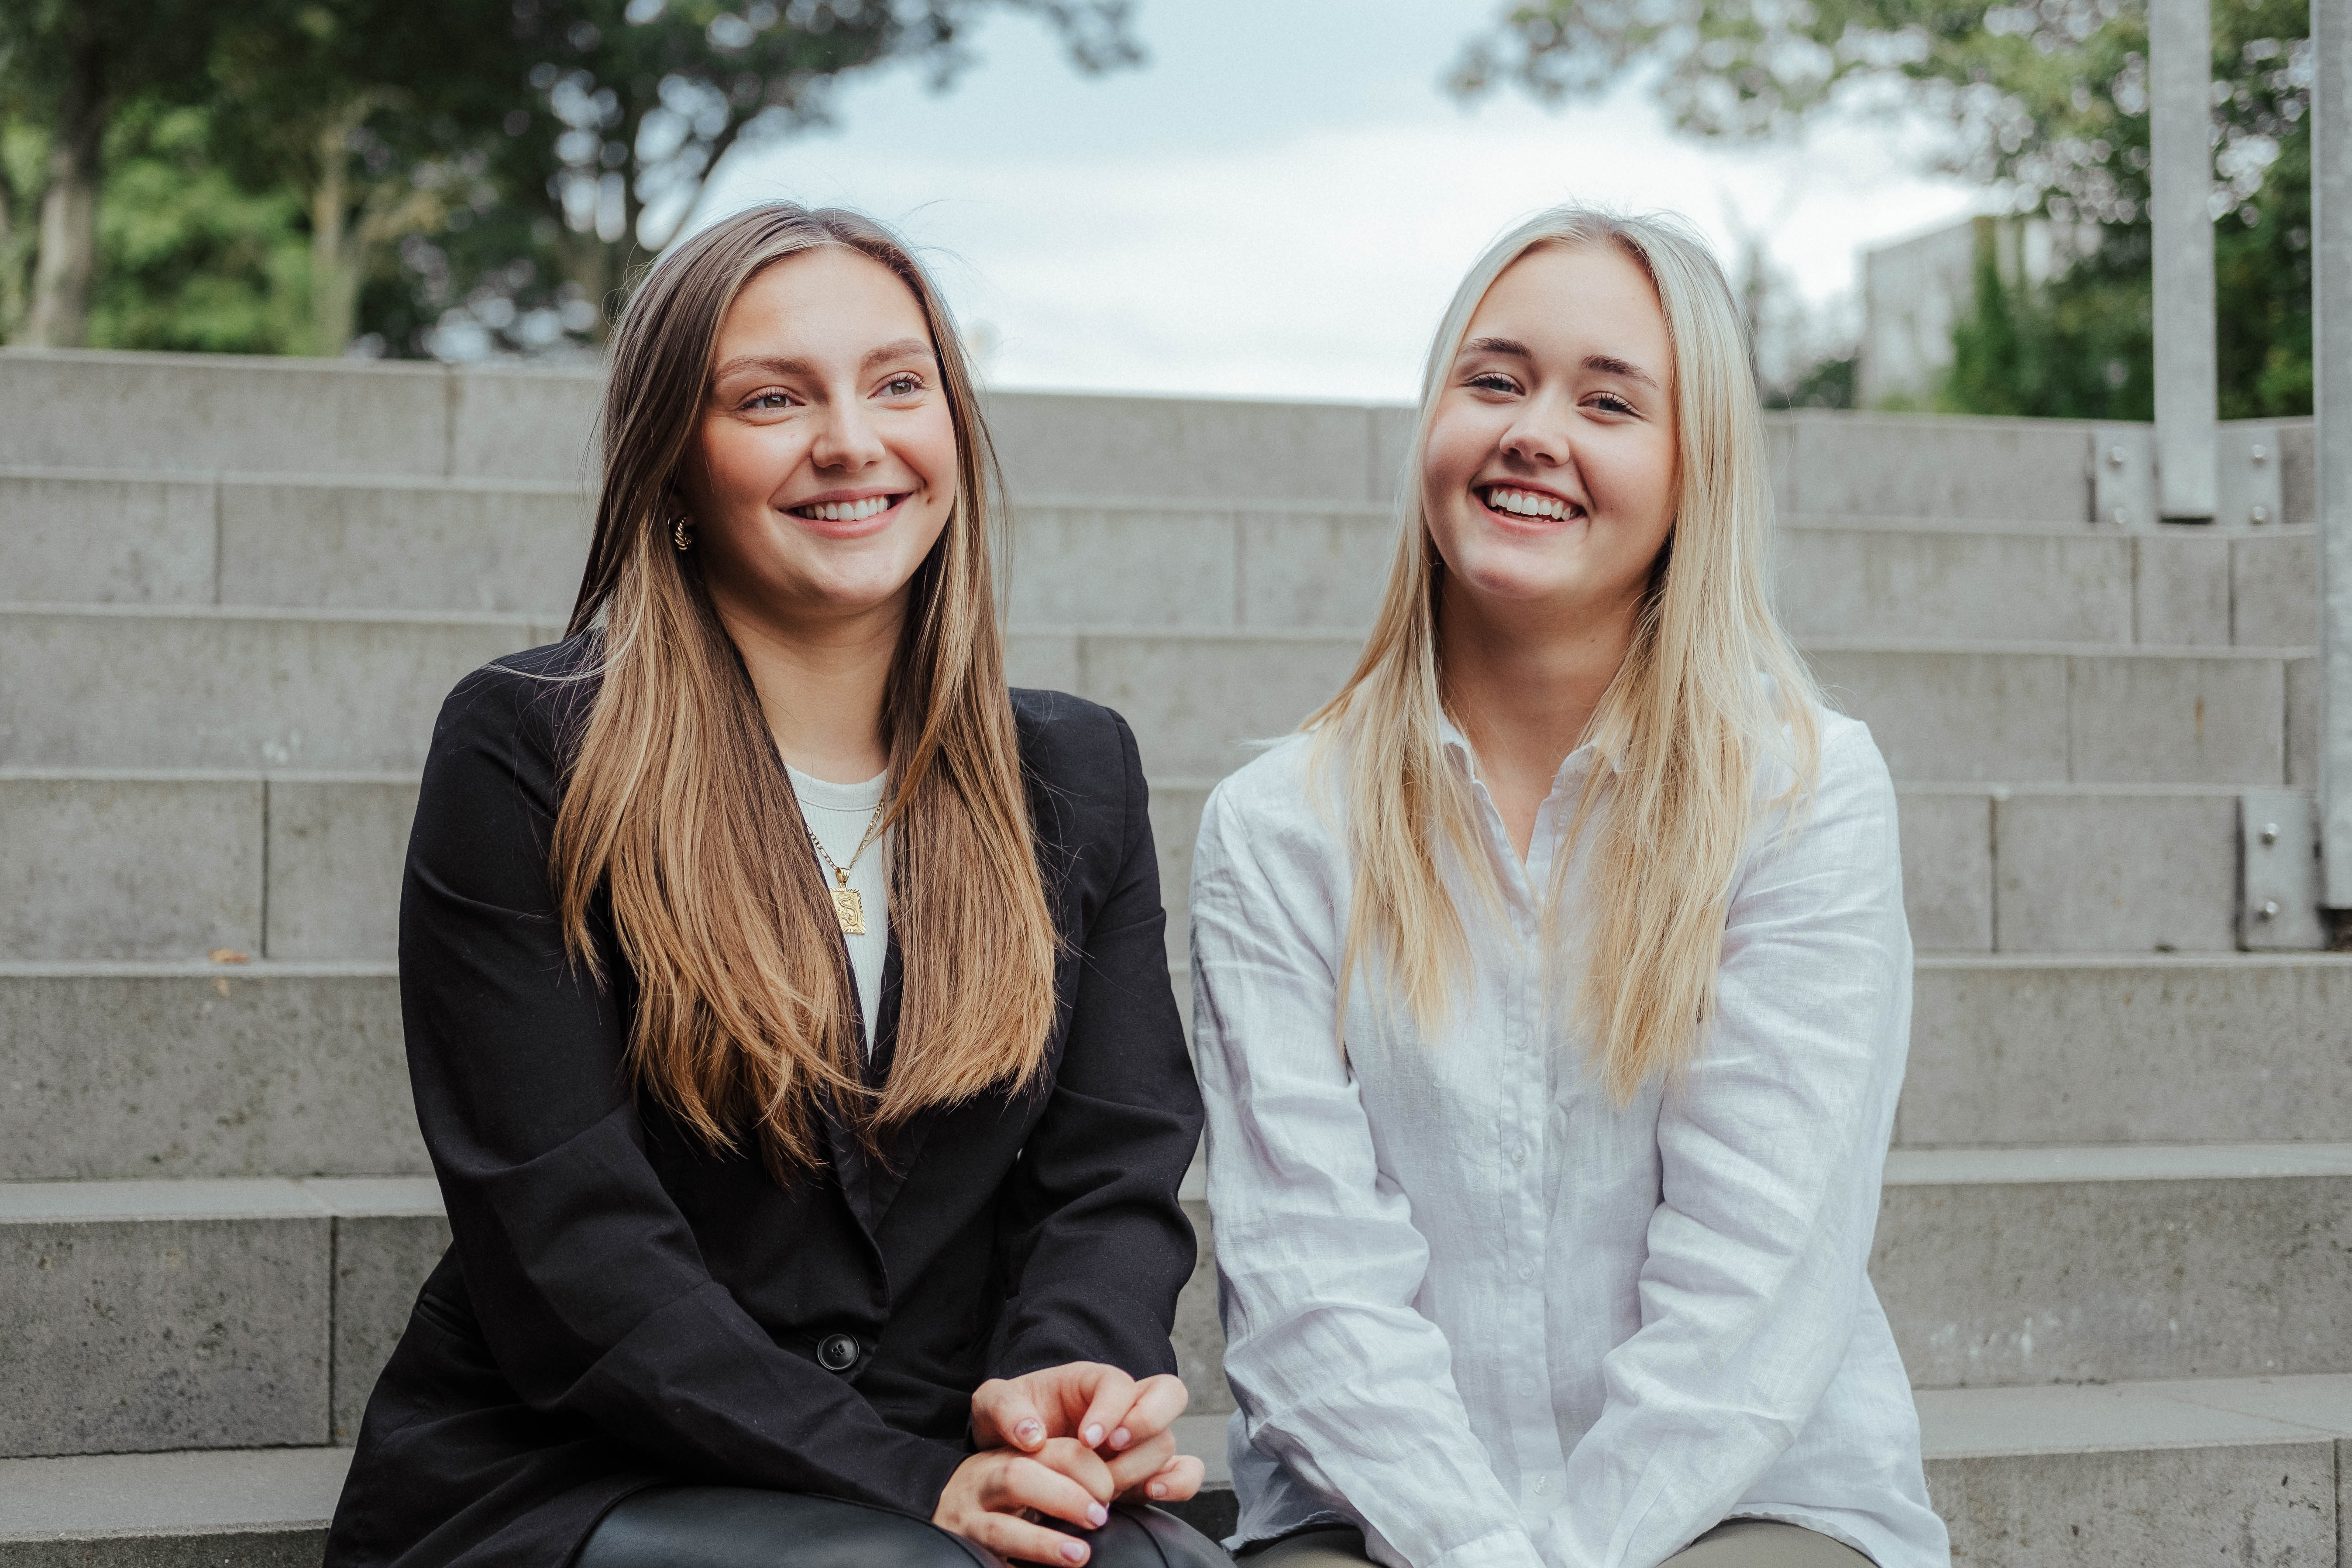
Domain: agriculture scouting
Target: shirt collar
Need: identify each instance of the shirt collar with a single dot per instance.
(1457, 747)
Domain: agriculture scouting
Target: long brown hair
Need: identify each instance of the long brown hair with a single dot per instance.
(677, 802)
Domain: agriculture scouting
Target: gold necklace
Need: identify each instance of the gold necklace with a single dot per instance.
(848, 907)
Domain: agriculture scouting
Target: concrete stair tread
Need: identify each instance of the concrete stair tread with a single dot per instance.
(2117, 1162)
(219, 1197)
(290, 1489)
(223, 1490)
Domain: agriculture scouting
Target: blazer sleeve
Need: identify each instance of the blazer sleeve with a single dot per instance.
(1771, 1145)
(1097, 1241)
(587, 1282)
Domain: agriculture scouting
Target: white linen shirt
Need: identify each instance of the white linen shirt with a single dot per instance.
(1476, 1308)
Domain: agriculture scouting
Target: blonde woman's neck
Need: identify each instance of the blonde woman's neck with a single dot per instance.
(1522, 680)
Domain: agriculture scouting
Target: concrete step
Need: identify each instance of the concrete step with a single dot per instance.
(296, 1070)
(200, 1313)
(158, 863)
(204, 1314)
(284, 689)
(309, 541)
(178, 1070)
(130, 864)
(2115, 1476)
(213, 412)
(2137, 1048)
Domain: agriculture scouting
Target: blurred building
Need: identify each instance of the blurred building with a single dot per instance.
(1915, 290)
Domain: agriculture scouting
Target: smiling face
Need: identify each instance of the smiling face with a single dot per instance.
(1549, 480)
(826, 463)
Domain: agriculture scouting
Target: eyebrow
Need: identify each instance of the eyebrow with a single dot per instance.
(1607, 364)
(905, 348)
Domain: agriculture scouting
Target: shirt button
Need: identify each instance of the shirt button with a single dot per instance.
(836, 1353)
(1528, 1389)
(1543, 1483)
(1519, 1153)
(1527, 1271)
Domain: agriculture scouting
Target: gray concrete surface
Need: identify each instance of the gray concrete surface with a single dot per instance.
(2021, 1267)
(127, 867)
(107, 539)
(227, 1508)
(2066, 1050)
(388, 1236)
(2075, 874)
(336, 849)
(444, 545)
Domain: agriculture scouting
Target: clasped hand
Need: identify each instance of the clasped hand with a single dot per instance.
(1064, 1443)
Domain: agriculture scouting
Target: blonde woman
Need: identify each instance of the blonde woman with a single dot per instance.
(1551, 995)
(787, 1004)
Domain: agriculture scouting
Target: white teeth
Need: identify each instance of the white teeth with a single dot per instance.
(845, 512)
(1527, 503)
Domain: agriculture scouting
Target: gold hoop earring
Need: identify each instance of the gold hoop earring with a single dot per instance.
(681, 534)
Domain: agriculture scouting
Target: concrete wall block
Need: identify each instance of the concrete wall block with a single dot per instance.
(381, 1259)
(1908, 465)
(2275, 589)
(2076, 1281)
(141, 1334)
(1199, 1336)
(1947, 870)
(218, 691)
(234, 1072)
(1047, 660)
(2181, 589)
(65, 408)
(1394, 426)
(1314, 571)
(513, 422)
(2168, 1051)
(2304, 689)
(413, 547)
(2270, 1505)
(2178, 720)
(1780, 458)
(100, 867)
(1175, 823)
(106, 541)
(1194, 701)
(1123, 567)
(2298, 484)
(1179, 448)
(1922, 583)
(336, 854)
(1954, 717)
(2115, 873)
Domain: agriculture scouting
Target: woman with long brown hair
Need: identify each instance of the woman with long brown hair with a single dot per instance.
(787, 1003)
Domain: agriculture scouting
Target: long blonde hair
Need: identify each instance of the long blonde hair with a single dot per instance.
(1685, 722)
(678, 805)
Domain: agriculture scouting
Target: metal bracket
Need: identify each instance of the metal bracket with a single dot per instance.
(2278, 872)
(2123, 475)
(2246, 469)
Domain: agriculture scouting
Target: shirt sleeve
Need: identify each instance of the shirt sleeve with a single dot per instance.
(1338, 1376)
(1771, 1146)
(1096, 1244)
(586, 1280)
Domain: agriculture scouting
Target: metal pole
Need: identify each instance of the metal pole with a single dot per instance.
(2180, 187)
(2331, 357)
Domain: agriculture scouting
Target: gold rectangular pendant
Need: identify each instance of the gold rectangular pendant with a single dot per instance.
(851, 911)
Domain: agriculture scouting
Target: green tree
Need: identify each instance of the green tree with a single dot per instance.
(2047, 105)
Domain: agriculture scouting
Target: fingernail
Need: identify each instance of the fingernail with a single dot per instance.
(1074, 1551)
(1029, 1431)
(1094, 1437)
(1155, 1488)
(1121, 1438)
(1097, 1515)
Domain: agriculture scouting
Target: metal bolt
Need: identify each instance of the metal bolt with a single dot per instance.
(2260, 453)
(2269, 910)
(2270, 832)
(2259, 515)
(2114, 457)
(2121, 516)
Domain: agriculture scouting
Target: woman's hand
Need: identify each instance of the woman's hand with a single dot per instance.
(1124, 1422)
(987, 1498)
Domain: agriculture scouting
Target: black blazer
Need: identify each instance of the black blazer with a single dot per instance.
(621, 1307)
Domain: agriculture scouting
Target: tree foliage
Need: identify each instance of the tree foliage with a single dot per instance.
(2043, 101)
(458, 178)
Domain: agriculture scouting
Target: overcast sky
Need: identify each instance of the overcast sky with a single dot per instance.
(1281, 201)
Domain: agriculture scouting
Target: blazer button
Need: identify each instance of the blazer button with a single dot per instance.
(836, 1353)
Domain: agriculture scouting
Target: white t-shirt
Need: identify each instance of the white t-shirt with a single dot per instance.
(838, 815)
